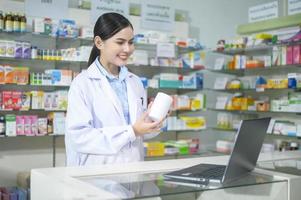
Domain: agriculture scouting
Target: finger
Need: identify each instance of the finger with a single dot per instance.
(150, 105)
(145, 114)
(162, 120)
(152, 125)
(156, 130)
(159, 126)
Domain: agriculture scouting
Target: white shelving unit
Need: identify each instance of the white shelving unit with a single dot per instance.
(279, 70)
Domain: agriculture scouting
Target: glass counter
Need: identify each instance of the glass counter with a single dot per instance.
(287, 166)
(155, 186)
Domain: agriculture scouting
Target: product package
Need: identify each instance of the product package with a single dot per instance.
(20, 125)
(42, 126)
(7, 100)
(10, 125)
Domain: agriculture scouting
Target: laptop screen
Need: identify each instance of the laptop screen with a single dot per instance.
(248, 143)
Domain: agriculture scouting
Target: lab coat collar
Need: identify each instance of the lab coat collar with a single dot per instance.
(94, 72)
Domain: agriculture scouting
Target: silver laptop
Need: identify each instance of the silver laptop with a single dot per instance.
(248, 143)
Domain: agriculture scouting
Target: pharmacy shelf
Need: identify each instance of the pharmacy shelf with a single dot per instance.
(134, 67)
(27, 112)
(223, 129)
(246, 50)
(153, 47)
(256, 49)
(175, 89)
(267, 135)
(203, 153)
(188, 111)
(29, 36)
(184, 131)
(240, 72)
(260, 90)
(15, 87)
(48, 87)
(29, 60)
(254, 112)
(29, 136)
(165, 69)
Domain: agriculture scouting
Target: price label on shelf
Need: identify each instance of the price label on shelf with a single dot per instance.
(259, 89)
(219, 63)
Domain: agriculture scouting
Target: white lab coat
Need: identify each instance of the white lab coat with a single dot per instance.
(96, 130)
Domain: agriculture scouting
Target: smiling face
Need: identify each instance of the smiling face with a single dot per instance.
(116, 50)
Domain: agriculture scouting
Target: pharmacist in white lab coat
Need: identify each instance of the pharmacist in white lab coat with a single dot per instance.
(106, 121)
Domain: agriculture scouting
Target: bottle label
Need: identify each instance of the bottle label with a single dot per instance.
(16, 26)
(22, 26)
(8, 26)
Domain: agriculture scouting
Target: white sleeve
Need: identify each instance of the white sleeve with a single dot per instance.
(81, 134)
(150, 136)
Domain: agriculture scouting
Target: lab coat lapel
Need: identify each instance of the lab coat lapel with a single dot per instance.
(94, 73)
(132, 99)
(108, 90)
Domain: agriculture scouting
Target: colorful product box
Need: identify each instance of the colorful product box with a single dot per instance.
(37, 100)
(42, 126)
(10, 125)
(58, 123)
(20, 125)
(7, 100)
(62, 99)
(9, 74)
(25, 101)
(10, 49)
(27, 126)
(18, 50)
(194, 60)
(42, 26)
(2, 75)
(34, 124)
(296, 54)
(48, 100)
(21, 75)
(67, 28)
(55, 101)
(16, 100)
(289, 55)
(66, 77)
(276, 58)
(26, 50)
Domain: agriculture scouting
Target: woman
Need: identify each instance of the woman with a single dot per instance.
(105, 120)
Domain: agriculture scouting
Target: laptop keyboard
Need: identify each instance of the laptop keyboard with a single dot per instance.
(215, 172)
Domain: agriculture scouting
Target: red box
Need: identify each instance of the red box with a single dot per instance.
(296, 54)
(16, 99)
(7, 100)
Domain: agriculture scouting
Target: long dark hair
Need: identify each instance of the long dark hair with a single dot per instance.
(105, 27)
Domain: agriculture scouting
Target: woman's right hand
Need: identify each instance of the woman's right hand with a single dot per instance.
(144, 125)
